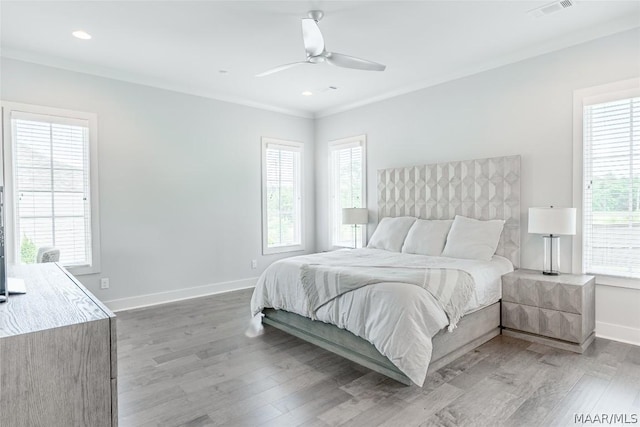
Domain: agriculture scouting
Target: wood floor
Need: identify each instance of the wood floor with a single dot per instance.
(189, 364)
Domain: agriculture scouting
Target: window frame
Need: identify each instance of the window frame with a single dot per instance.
(333, 222)
(7, 169)
(581, 98)
(296, 146)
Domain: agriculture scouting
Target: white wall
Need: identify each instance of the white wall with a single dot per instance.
(524, 108)
(179, 180)
(180, 200)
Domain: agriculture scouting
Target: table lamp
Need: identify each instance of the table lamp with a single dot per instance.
(355, 217)
(552, 222)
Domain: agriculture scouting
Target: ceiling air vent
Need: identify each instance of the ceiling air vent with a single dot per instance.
(550, 8)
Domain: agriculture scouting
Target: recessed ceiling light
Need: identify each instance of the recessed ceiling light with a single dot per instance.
(307, 93)
(223, 71)
(81, 35)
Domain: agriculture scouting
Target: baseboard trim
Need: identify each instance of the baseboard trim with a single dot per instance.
(620, 333)
(147, 300)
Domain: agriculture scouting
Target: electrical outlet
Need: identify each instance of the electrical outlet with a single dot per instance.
(104, 283)
(254, 263)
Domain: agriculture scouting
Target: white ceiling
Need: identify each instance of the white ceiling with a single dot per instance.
(182, 45)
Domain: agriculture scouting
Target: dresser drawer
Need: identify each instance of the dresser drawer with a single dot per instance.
(521, 317)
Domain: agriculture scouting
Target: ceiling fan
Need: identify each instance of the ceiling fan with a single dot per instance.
(316, 52)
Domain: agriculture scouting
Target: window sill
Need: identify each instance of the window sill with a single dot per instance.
(82, 270)
(282, 249)
(617, 282)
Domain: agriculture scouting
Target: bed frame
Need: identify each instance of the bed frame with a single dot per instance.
(473, 330)
(483, 189)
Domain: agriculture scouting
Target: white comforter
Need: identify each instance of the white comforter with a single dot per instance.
(398, 319)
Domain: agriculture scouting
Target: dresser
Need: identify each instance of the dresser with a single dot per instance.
(554, 310)
(57, 353)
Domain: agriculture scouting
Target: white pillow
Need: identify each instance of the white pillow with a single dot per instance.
(473, 239)
(390, 233)
(427, 237)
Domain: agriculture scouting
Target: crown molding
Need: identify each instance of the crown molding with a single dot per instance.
(574, 39)
(111, 73)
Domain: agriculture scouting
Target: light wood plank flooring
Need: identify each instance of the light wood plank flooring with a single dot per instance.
(189, 364)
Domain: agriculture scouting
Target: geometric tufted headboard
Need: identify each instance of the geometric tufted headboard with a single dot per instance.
(481, 189)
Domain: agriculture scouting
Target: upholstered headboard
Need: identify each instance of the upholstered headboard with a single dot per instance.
(481, 189)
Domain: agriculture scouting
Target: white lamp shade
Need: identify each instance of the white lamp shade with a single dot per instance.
(552, 221)
(355, 215)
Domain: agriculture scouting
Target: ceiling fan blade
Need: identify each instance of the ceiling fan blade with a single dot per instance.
(347, 61)
(312, 37)
(280, 68)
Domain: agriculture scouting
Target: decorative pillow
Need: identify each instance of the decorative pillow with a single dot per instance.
(473, 239)
(427, 237)
(390, 233)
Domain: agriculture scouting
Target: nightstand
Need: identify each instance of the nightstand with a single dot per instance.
(554, 310)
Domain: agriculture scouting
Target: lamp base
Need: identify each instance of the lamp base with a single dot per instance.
(551, 263)
(355, 236)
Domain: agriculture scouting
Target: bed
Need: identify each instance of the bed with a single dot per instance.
(389, 324)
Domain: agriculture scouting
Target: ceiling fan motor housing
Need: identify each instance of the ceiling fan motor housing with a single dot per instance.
(316, 15)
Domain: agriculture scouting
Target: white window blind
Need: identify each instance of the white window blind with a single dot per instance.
(611, 199)
(51, 187)
(347, 187)
(282, 197)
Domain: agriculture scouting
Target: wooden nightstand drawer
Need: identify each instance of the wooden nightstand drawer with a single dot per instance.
(520, 291)
(521, 317)
(561, 325)
(549, 323)
(566, 292)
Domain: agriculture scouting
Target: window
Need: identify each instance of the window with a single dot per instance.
(51, 187)
(611, 184)
(281, 196)
(347, 187)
